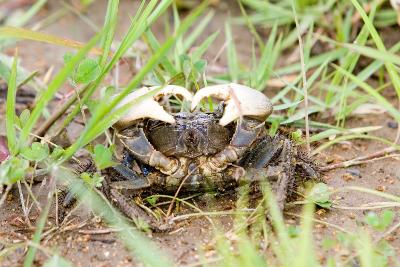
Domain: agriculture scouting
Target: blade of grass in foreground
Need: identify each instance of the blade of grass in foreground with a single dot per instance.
(91, 130)
(54, 85)
(391, 69)
(25, 18)
(379, 98)
(233, 64)
(30, 256)
(20, 33)
(284, 250)
(144, 18)
(10, 111)
(109, 29)
(306, 252)
(142, 248)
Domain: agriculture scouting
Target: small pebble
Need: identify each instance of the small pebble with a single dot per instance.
(347, 177)
(381, 188)
(393, 125)
(354, 172)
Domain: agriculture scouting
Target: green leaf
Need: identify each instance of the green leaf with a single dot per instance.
(13, 170)
(37, 152)
(320, 195)
(67, 57)
(57, 153)
(53, 87)
(200, 65)
(293, 231)
(10, 110)
(186, 67)
(94, 180)
(24, 117)
(387, 218)
(152, 200)
(233, 63)
(297, 136)
(88, 70)
(103, 157)
(372, 219)
(201, 49)
(57, 261)
(379, 223)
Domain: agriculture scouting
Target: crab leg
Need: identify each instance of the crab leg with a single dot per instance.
(246, 133)
(138, 145)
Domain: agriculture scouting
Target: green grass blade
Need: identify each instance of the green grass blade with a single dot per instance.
(145, 16)
(233, 63)
(372, 92)
(14, 32)
(203, 47)
(268, 59)
(22, 20)
(313, 61)
(283, 250)
(92, 130)
(195, 33)
(54, 85)
(142, 248)
(10, 111)
(306, 254)
(251, 26)
(30, 256)
(155, 45)
(110, 23)
(349, 61)
(380, 45)
(370, 52)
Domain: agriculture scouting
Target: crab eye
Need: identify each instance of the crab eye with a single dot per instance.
(239, 100)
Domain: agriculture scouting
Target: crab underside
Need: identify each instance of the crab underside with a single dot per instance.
(198, 151)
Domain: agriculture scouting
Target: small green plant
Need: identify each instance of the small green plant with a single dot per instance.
(377, 222)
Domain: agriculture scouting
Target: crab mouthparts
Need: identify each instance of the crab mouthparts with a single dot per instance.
(239, 101)
(191, 143)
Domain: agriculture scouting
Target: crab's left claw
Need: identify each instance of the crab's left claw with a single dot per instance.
(239, 100)
(147, 106)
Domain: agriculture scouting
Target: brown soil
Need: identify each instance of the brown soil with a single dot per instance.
(192, 235)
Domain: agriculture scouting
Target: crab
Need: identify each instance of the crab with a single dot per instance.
(196, 151)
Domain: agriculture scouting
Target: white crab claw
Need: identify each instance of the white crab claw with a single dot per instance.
(148, 107)
(396, 6)
(239, 100)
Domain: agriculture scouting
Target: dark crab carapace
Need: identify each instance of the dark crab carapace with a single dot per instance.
(198, 151)
(193, 135)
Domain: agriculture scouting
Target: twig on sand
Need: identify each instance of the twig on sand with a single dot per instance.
(98, 231)
(179, 189)
(381, 154)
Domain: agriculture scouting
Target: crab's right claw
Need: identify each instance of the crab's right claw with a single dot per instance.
(239, 100)
(144, 104)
